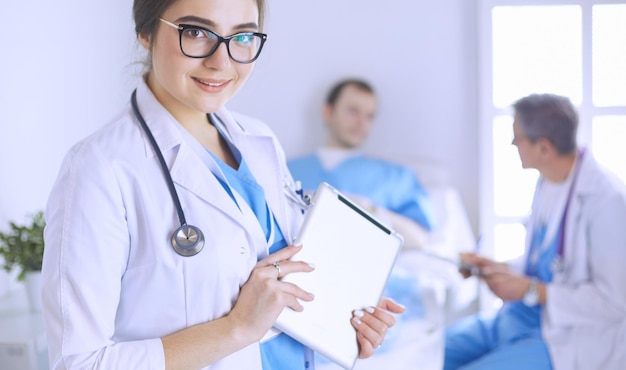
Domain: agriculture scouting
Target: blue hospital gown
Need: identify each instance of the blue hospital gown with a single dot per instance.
(386, 184)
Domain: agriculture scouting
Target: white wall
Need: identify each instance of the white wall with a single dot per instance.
(66, 70)
(419, 55)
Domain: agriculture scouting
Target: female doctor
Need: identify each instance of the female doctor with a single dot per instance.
(167, 230)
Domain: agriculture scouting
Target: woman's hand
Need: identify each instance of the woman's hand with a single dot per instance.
(372, 323)
(263, 297)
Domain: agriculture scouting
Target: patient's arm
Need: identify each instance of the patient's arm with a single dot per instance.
(415, 236)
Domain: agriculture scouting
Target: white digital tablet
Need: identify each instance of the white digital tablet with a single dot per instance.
(353, 254)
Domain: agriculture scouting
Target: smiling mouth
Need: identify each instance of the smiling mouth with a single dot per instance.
(211, 84)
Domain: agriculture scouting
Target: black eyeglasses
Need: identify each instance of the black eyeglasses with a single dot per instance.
(199, 42)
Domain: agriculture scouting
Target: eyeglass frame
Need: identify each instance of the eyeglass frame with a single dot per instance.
(220, 39)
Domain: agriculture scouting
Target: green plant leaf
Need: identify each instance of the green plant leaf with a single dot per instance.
(22, 246)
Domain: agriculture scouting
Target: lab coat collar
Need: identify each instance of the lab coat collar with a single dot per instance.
(161, 123)
(586, 182)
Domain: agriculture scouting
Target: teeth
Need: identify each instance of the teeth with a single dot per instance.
(212, 84)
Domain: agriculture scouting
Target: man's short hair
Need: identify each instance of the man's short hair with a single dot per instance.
(548, 116)
(334, 93)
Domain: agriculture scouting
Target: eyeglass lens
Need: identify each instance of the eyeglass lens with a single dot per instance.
(198, 42)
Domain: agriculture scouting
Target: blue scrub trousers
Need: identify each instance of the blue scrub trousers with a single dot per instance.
(477, 343)
(511, 339)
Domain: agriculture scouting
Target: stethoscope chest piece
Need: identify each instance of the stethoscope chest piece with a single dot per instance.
(188, 240)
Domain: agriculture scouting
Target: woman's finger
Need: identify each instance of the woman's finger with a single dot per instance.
(281, 255)
(371, 325)
(280, 269)
(366, 349)
(390, 305)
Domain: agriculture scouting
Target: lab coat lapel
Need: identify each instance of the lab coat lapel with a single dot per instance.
(584, 188)
(210, 190)
(186, 168)
(191, 173)
(260, 153)
(192, 156)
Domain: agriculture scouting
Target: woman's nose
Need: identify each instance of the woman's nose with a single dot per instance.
(220, 59)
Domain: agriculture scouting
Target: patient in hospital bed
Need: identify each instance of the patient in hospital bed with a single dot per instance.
(390, 191)
(393, 193)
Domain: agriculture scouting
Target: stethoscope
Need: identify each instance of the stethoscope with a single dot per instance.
(558, 264)
(188, 240)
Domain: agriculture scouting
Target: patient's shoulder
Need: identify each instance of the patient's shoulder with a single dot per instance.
(386, 165)
(301, 159)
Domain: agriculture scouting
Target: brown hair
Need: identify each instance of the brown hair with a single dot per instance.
(146, 14)
(336, 90)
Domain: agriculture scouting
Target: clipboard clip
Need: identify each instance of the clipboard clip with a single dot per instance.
(295, 195)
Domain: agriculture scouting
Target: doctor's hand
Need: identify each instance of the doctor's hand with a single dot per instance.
(506, 285)
(263, 297)
(474, 264)
(372, 323)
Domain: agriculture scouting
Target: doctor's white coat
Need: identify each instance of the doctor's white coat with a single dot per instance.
(584, 320)
(113, 285)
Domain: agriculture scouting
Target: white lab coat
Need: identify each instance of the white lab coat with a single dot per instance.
(113, 285)
(584, 320)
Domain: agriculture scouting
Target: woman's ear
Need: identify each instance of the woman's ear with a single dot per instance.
(326, 113)
(145, 41)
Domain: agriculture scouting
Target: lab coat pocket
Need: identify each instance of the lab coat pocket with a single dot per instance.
(152, 302)
(599, 347)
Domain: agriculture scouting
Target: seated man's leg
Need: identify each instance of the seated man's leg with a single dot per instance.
(467, 340)
(529, 353)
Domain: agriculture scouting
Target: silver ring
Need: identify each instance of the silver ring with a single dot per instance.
(277, 266)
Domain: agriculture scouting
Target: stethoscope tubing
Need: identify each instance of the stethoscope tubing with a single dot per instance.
(164, 169)
(187, 240)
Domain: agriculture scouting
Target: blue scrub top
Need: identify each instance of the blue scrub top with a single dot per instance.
(282, 352)
(520, 316)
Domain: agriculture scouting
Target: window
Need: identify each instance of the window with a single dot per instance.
(571, 48)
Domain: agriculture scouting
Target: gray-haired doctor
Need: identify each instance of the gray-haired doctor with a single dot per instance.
(565, 303)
